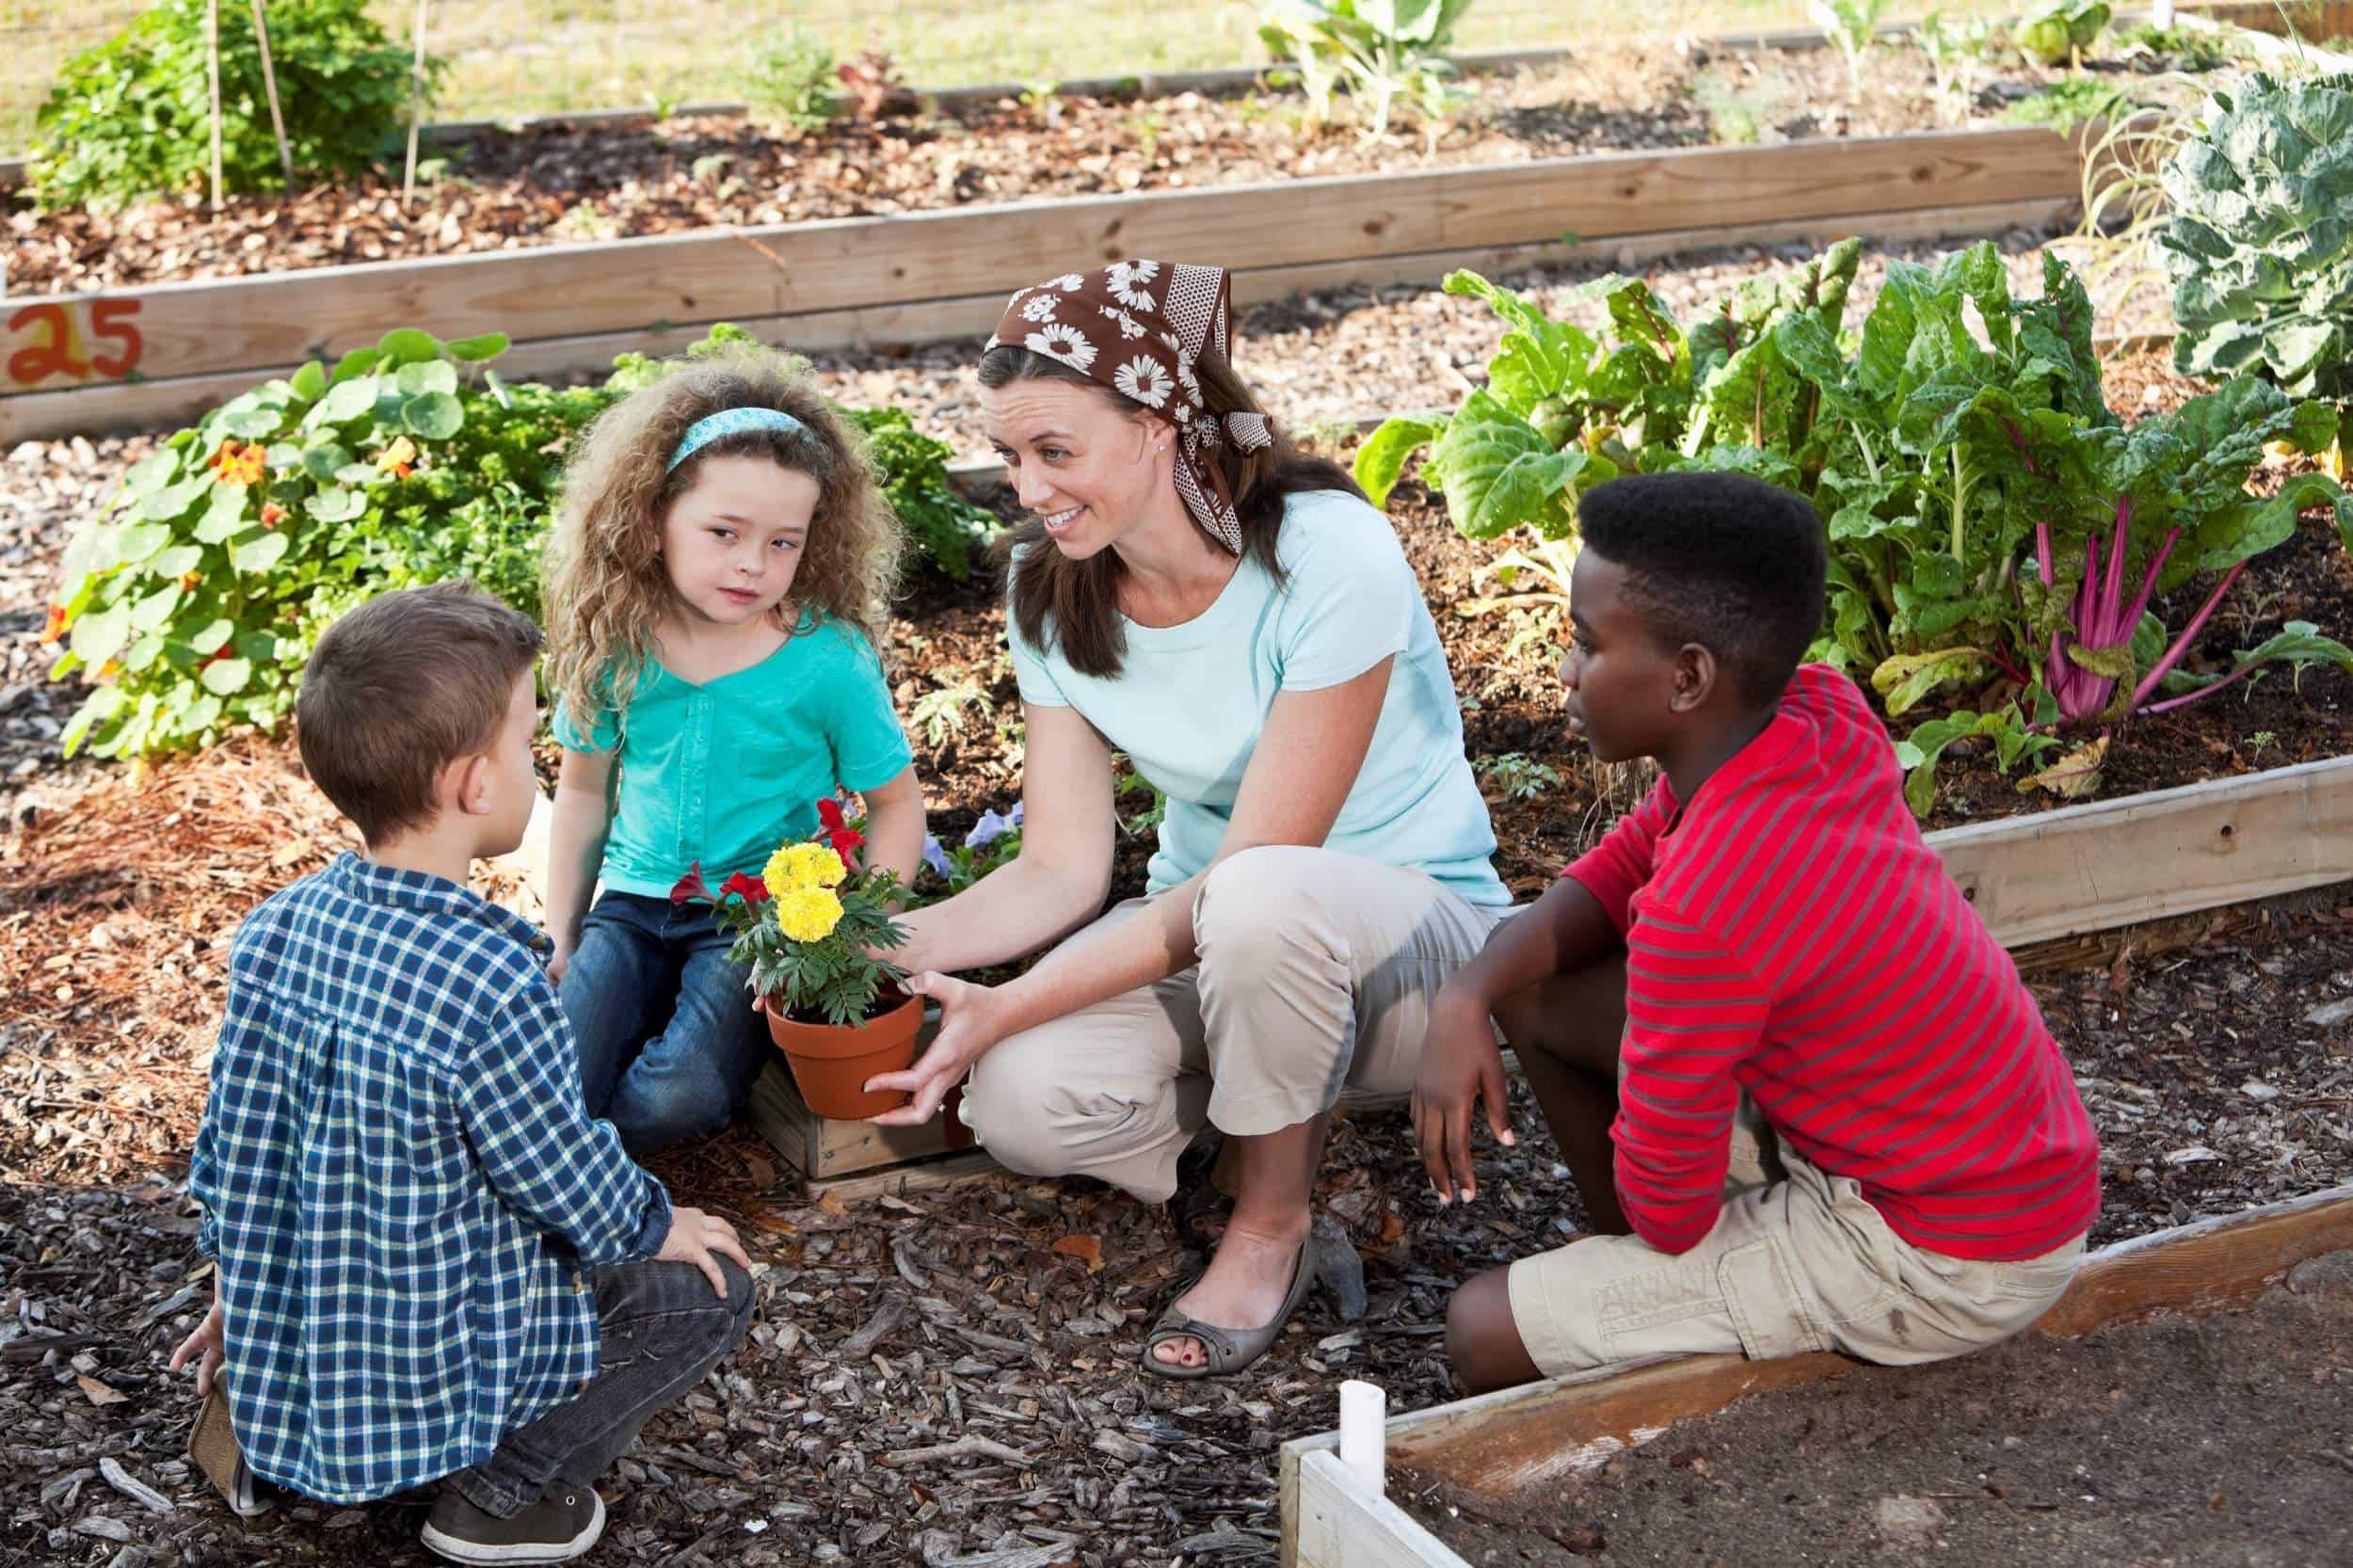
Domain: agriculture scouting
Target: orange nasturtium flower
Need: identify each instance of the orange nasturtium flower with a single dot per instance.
(398, 459)
(56, 626)
(272, 514)
(240, 465)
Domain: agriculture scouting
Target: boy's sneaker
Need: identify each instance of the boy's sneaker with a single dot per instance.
(556, 1529)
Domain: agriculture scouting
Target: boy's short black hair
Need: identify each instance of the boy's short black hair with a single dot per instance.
(399, 688)
(1723, 560)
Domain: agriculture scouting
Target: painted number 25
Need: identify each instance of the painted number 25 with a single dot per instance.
(56, 348)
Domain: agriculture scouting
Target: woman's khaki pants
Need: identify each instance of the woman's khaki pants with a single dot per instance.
(1316, 974)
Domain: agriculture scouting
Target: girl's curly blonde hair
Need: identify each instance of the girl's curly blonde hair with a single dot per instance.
(605, 584)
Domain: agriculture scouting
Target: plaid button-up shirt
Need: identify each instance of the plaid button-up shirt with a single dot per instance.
(400, 1183)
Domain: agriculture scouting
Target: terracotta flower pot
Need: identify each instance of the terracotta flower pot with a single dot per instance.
(831, 1062)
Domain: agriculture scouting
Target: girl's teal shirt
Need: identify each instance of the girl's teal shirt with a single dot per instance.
(724, 772)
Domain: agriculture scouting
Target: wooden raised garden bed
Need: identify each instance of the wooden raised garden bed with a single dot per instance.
(92, 362)
(1501, 1445)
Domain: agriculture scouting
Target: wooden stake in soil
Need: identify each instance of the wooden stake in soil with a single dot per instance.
(212, 59)
(416, 112)
(269, 89)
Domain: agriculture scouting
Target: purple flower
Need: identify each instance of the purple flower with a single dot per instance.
(991, 827)
(936, 857)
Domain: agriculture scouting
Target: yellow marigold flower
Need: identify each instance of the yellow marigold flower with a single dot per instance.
(807, 914)
(802, 865)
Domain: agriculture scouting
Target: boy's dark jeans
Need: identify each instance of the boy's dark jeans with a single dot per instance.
(668, 1042)
(661, 1328)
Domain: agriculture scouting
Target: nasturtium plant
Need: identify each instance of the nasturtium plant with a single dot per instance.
(2259, 245)
(132, 116)
(194, 598)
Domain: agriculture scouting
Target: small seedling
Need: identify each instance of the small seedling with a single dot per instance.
(1516, 776)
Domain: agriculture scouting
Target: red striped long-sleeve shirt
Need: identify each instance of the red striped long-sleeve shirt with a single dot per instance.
(1789, 933)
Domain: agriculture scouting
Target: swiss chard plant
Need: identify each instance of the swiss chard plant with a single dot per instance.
(2259, 245)
(1564, 408)
(1381, 53)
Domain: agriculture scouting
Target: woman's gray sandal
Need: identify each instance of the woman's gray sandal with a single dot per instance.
(1226, 1350)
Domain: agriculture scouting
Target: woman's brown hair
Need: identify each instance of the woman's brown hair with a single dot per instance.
(1080, 599)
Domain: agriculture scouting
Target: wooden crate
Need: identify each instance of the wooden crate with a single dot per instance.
(1500, 1443)
(821, 1148)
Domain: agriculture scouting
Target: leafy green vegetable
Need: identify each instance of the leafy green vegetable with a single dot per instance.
(1383, 52)
(132, 116)
(2260, 247)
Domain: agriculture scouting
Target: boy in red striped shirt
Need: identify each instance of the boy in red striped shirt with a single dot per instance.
(1838, 1120)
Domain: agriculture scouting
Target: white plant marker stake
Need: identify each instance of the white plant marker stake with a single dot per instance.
(211, 58)
(1363, 1435)
(2161, 15)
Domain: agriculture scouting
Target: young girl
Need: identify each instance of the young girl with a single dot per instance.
(715, 591)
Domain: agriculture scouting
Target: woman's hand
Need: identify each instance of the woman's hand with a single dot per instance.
(558, 961)
(1461, 1064)
(971, 1020)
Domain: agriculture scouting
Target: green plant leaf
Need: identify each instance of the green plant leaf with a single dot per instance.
(345, 402)
(406, 345)
(100, 634)
(436, 415)
(1383, 456)
(259, 552)
(337, 506)
(430, 376)
(309, 381)
(224, 514)
(489, 345)
(226, 677)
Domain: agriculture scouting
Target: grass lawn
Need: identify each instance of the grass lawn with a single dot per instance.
(519, 56)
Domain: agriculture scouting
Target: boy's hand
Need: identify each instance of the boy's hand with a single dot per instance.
(694, 1237)
(207, 1347)
(1461, 1064)
(560, 960)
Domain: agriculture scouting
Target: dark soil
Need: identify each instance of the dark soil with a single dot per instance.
(566, 182)
(2219, 1441)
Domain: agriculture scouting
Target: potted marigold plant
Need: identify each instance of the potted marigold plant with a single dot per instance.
(804, 929)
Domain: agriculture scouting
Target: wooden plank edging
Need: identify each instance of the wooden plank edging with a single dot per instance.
(2165, 852)
(1500, 1443)
(170, 330)
(100, 408)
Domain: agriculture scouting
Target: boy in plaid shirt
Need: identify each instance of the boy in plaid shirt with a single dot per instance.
(429, 1263)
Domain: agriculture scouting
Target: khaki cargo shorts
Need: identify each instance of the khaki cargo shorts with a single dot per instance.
(1798, 1261)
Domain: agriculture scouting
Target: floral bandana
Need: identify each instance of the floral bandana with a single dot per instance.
(1139, 328)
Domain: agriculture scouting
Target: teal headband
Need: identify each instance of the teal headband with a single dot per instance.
(731, 421)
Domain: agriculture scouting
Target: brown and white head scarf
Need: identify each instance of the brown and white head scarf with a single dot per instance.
(1139, 328)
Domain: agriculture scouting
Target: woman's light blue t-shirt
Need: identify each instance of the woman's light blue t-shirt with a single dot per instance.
(726, 771)
(1190, 701)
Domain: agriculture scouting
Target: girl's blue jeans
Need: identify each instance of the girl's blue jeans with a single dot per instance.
(668, 1042)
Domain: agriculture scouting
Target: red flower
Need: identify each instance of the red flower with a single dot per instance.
(272, 514)
(845, 839)
(692, 887)
(56, 624)
(746, 887)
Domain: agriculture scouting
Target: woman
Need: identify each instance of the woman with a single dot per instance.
(1193, 590)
